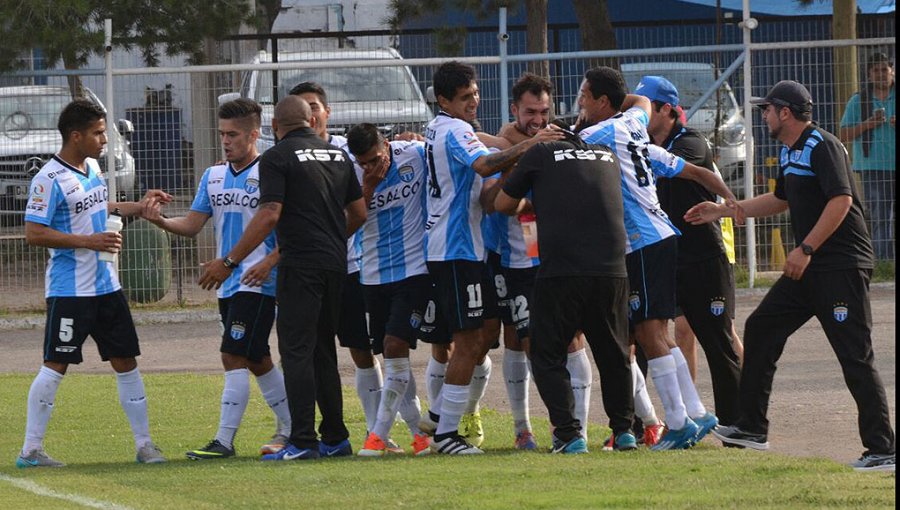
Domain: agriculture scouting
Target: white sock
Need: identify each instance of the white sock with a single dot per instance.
(455, 399)
(271, 385)
(368, 387)
(582, 377)
(662, 370)
(396, 380)
(515, 371)
(134, 402)
(689, 393)
(434, 381)
(40, 407)
(643, 407)
(234, 403)
(410, 407)
(478, 385)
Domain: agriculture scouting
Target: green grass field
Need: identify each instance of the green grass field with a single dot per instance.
(90, 433)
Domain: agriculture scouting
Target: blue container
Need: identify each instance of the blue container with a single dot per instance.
(156, 146)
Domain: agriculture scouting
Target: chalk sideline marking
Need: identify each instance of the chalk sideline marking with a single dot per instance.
(40, 490)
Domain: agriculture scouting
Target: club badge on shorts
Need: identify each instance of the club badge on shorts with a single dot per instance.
(634, 302)
(237, 331)
(717, 306)
(841, 312)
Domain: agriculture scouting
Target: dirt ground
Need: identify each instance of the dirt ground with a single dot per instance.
(812, 413)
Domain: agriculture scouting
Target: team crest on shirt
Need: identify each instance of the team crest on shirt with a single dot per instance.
(415, 320)
(841, 312)
(634, 302)
(237, 330)
(717, 306)
(406, 173)
(251, 185)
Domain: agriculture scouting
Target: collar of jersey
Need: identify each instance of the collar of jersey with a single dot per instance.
(242, 170)
(301, 131)
(85, 173)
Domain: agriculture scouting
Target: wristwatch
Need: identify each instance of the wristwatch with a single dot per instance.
(807, 249)
(230, 264)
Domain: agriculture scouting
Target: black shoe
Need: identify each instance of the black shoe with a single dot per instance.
(734, 436)
(214, 450)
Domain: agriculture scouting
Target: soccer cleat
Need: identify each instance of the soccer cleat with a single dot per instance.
(875, 462)
(291, 452)
(393, 448)
(373, 447)
(735, 436)
(342, 449)
(622, 442)
(652, 433)
(471, 430)
(706, 423)
(574, 446)
(37, 458)
(525, 441)
(421, 445)
(680, 439)
(428, 424)
(274, 445)
(454, 445)
(608, 444)
(150, 454)
(214, 450)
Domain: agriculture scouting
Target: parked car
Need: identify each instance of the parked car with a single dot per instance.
(721, 120)
(388, 97)
(29, 138)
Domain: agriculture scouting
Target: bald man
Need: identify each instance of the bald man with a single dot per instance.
(308, 193)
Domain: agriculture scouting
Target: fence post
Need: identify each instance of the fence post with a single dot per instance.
(503, 37)
(749, 172)
(110, 117)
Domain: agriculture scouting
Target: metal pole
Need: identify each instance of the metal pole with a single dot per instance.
(748, 161)
(503, 37)
(110, 118)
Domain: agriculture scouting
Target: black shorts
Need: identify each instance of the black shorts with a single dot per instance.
(715, 290)
(247, 319)
(514, 287)
(396, 309)
(460, 293)
(352, 330)
(651, 275)
(106, 318)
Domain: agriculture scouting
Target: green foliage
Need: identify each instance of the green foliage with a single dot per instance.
(884, 271)
(69, 31)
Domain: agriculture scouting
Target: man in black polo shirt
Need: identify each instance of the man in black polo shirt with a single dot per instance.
(826, 276)
(581, 283)
(708, 302)
(309, 191)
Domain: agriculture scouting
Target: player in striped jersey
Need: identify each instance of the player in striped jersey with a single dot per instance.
(611, 117)
(394, 275)
(453, 241)
(67, 213)
(229, 194)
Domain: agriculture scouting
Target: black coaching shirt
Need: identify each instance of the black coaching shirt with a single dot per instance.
(577, 195)
(697, 242)
(814, 170)
(314, 181)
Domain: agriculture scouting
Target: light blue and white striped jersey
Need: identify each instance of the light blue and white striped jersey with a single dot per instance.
(354, 249)
(453, 226)
(65, 199)
(511, 243)
(232, 199)
(394, 231)
(626, 133)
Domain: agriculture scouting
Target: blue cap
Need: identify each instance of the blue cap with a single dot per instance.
(657, 88)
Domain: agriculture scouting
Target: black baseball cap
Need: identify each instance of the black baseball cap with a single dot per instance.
(787, 93)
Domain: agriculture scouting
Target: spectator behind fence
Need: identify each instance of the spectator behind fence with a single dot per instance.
(869, 122)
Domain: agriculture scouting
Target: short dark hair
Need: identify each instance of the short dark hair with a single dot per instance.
(606, 81)
(450, 77)
(78, 115)
(307, 87)
(878, 58)
(362, 137)
(673, 113)
(802, 116)
(242, 108)
(530, 82)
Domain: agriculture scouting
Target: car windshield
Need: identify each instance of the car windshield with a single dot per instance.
(691, 84)
(28, 112)
(344, 84)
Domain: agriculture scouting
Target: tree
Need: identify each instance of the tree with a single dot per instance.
(70, 31)
(596, 29)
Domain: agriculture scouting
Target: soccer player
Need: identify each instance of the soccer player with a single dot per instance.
(67, 210)
(454, 245)
(394, 276)
(610, 116)
(229, 194)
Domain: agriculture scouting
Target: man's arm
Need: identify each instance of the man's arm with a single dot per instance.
(851, 133)
(756, 207)
(497, 142)
(152, 199)
(709, 180)
(47, 237)
(492, 163)
(356, 215)
(509, 205)
(835, 211)
(260, 226)
(632, 100)
(188, 226)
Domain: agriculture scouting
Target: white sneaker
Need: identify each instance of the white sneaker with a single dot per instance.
(455, 445)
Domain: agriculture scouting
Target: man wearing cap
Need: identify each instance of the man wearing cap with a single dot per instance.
(707, 303)
(826, 276)
(869, 122)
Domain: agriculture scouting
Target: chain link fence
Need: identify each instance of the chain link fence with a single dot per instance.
(167, 135)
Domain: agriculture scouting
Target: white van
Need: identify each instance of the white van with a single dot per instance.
(692, 80)
(388, 97)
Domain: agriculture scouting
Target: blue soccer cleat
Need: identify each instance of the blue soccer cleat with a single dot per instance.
(706, 423)
(680, 439)
(291, 452)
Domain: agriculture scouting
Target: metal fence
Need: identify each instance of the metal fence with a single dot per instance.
(170, 134)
